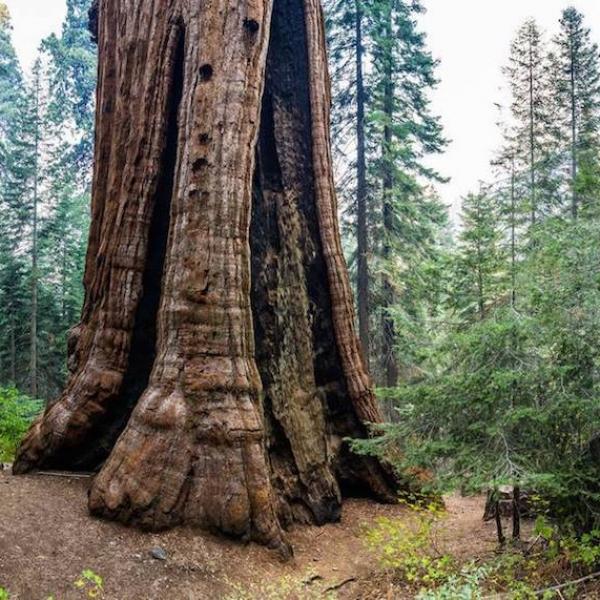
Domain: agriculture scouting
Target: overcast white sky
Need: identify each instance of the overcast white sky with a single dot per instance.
(32, 21)
(470, 37)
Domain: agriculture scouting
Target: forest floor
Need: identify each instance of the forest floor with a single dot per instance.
(47, 539)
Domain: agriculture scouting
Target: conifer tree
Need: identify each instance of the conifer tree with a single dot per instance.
(72, 84)
(71, 75)
(478, 269)
(46, 139)
(11, 81)
(20, 196)
(12, 271)
(576, 64)
(510, 195)
(532, 118)
(35, 130)
(404, 131)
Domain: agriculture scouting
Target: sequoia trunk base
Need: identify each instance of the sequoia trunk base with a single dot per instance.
(216, 372)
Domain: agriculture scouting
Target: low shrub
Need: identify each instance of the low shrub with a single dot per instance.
(408, 548)
(17, 411)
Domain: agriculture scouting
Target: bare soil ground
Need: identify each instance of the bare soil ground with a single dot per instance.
(47, 538)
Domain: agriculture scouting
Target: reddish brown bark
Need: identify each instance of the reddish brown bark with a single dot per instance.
(216, 370)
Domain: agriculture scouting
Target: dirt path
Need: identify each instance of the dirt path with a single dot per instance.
(47, 539)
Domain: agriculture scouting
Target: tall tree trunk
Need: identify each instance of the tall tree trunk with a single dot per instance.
(216, 371)
(362, 276)
(389, 334)
(532, 167)
(513, 270)
(513, 233)
(480, 275)
(13, 349)
(573, 92)
(33, 330)
(480, 296)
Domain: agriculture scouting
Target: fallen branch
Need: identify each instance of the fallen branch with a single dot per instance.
(562, 586)
(555, 588)
(64, 474)
(533, 544)
(340, 585)
(558, 591)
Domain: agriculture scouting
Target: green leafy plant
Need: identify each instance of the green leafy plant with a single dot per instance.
(16, 413)
(408, 546)
(466, 585)
(4, 594)
(90, 583)
(586, 550)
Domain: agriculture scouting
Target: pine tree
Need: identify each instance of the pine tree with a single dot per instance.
(19, 200)
(72, 84)
(36, 132)
(405, 132)
(576, 63)
(63, 246)
(419, 283)
(478, 267)
(21, 190)
(70, 80)
(11, 81)
(71, 73)
(510, 196)
(11, 271)
(532, 118)
(46, 144)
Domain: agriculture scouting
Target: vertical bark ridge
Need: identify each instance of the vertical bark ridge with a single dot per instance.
(142, 352)
(361, 471)
(307, 407)
(193, 450)
(125, 197)
(342, 307)
(285, 248)
(105, 130)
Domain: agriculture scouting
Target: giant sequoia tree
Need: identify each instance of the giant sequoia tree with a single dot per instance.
(215, 370)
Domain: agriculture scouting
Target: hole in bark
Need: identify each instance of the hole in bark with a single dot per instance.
(204, 138)
(206, 72)
(251, 25)
(143, 342)
(199, 164)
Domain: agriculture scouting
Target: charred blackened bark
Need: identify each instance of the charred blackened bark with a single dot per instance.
(217, 339)
(306, 395)
(93, 21)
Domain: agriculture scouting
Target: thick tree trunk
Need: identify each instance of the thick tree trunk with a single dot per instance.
(216, 371)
